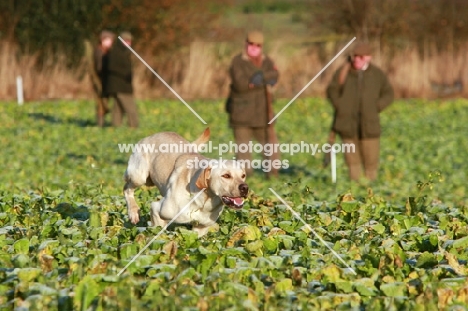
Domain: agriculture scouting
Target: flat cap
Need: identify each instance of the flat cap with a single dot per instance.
(362, 48)
(126, 35)
(107, 34)
(255, 37)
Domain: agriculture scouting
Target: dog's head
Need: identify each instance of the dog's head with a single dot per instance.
(225, 179)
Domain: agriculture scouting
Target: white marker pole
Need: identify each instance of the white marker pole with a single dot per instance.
(19, 90)
(333, 165)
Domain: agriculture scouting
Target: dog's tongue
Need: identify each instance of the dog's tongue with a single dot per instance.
(238, 201)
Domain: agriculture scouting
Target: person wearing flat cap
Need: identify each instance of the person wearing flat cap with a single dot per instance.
(99, 51)
(359, 92)
(249, 105)
(117, 81)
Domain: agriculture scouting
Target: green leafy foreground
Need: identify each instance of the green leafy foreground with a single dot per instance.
(65, 235)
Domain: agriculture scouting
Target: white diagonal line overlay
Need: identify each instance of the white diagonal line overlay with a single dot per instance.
(313, 231)
(162, 80)
(160, 232)
(310, 82)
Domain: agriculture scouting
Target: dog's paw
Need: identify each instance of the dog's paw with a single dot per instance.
(134, 217)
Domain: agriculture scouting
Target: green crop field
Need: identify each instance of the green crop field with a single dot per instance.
(65, 234)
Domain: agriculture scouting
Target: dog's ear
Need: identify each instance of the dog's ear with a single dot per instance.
(204, 178)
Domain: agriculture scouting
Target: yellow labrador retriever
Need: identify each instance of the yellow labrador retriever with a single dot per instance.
(179, 176)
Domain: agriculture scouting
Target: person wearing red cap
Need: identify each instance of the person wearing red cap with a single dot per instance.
(117, 81)
(359, 92)
(249, 105)
(100, 50)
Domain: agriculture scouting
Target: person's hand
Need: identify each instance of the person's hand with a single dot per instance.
(272, 82)
(257, 79)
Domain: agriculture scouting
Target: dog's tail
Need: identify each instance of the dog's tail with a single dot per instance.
(204, 137)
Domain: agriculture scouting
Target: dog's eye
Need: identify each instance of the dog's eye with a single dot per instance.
(243, 175)
(226, 176)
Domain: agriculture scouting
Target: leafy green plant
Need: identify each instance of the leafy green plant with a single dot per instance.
(65, 234)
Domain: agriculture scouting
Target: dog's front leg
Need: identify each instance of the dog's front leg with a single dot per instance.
(132, 206)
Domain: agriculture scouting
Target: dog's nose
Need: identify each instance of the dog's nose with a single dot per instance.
(244, 189)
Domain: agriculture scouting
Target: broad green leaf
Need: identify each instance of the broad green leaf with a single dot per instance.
(207, 263)
(163, 267)
(349, 206)
(364, 290)
(85, 292)
(96, 233)
(426, 260)
(204, 251)
(244, 233)
(68, 231)
(188, 274)
(144, 260)
(284, 285)
(234, 251)
(344, 286)
(263, 262)
(231, 262)
(239, 289)
(28, 274)
(397, 289)
(190, 237)
(94, 219)
(379, 228)
(325, 218)
(277, 261)
(111, 278)
(48, 246)
(366, 287)
(287, 226)
(331, 273)
(288, 241)
(21, 246)
(255, 246)
(43, 289)
(20, 261)
(434, 240)
(270, 244)
(152, 288)
(128, 250)
(460, 243)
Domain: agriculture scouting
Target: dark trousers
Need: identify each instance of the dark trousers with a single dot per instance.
(366, 155)
(263, 135)
(102, 109)
(124, 104)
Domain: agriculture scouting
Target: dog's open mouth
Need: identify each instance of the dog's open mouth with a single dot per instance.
(233, 202)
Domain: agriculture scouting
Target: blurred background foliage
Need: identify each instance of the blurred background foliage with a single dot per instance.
(429, 36)
(60, 26)
(390, 21)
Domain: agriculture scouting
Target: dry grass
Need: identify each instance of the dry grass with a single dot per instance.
(200, 71)
(54, 82)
